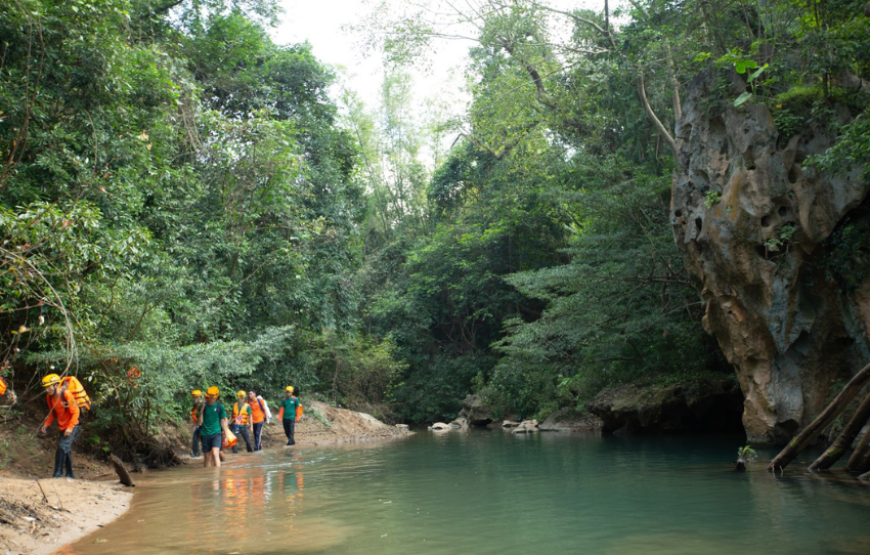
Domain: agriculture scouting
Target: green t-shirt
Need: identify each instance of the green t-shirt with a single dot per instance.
(211, 419)
(289, 406)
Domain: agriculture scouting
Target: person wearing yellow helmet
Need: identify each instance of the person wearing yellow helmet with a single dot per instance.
(212, 420)
(62, 407)
(243, 424)
(196, 444)
(289, 404)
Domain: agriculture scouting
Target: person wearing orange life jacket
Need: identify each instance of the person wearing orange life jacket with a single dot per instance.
(212, 419)
(287, 414)
(243, 423)
(260, 415)
(196, 445)
(64, 408)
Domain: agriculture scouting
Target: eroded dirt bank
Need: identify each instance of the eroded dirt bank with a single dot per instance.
(37, 517)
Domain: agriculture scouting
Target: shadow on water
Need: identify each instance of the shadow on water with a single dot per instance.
(490, 492)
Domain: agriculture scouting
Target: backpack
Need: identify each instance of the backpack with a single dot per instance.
(264, 406)
(74, 386)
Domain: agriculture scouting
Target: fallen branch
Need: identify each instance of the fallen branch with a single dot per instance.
(832, 411)
(845, 439)
(121, 470)
(859, 462)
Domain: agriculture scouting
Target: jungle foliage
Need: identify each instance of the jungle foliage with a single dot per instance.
(183, 205)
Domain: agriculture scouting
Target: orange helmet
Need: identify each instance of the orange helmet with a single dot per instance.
(213, 392)
(196, 393)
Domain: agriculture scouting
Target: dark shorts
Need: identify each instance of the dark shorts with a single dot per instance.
(211, 442)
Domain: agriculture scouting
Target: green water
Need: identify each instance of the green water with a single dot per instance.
(491, 493)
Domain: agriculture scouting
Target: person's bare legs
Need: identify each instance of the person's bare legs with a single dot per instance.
(206, 457)
(216, 456)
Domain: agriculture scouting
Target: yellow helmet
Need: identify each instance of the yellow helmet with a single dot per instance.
(51, 379)
(213, 392)
(289, 389)
(241, 394)
(196, 393)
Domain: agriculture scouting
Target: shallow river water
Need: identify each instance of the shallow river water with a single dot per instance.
(491, 493)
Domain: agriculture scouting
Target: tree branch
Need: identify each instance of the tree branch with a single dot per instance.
(663, 132)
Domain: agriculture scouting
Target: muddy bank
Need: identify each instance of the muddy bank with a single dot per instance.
(39, 517)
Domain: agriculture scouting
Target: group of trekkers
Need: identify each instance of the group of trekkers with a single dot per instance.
(250, 414)
(67, 398)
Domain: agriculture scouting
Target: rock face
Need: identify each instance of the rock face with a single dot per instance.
(750, 219)
(569, 420)
(712, 405)
(474, 411)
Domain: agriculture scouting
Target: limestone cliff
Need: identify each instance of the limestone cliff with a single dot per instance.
(751, 220)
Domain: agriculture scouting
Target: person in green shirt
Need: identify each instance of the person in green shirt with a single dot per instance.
(212, 421)
(288, 414)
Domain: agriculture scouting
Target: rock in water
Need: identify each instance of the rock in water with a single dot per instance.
(758, 250)
(526, 427)
(439, 427)
(474, 411)
(459, 424)
(570, 420)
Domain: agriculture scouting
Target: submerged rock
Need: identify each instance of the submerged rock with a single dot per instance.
(570, 420)
(526, 427)
(711, 405)
(440, 427)
(459, 424)
(751, 219)
(510, 424)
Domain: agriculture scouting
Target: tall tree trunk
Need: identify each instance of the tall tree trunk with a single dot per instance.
(845, 439)
(832, 411)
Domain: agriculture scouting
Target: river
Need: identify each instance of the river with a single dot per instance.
(491, 493)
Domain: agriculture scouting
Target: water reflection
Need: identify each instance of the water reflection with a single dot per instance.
(482, 493)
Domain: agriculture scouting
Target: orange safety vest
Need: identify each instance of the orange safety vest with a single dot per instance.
(2, 386)
(257, 412)
(65, 410)
(194, 414)
(240, 415)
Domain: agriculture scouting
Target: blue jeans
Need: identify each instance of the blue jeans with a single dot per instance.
(242, 431)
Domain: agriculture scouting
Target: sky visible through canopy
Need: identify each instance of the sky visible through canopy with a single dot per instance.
(325, 23)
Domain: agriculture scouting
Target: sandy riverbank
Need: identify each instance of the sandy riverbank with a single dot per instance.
(39, 517)
(37, 523)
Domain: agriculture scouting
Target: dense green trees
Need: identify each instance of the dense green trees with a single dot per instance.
(179, 193)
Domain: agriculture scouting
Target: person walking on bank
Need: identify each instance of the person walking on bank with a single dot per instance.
(212, 420)
(243, 424)
(196, 395)
(260, 416)
(64, 409)
(288, 414)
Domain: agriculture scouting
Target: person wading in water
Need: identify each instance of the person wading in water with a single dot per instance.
(212, 421)
(288, 414)
(260, 416)
(64, 408)
(243, 424)
(196, 395)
